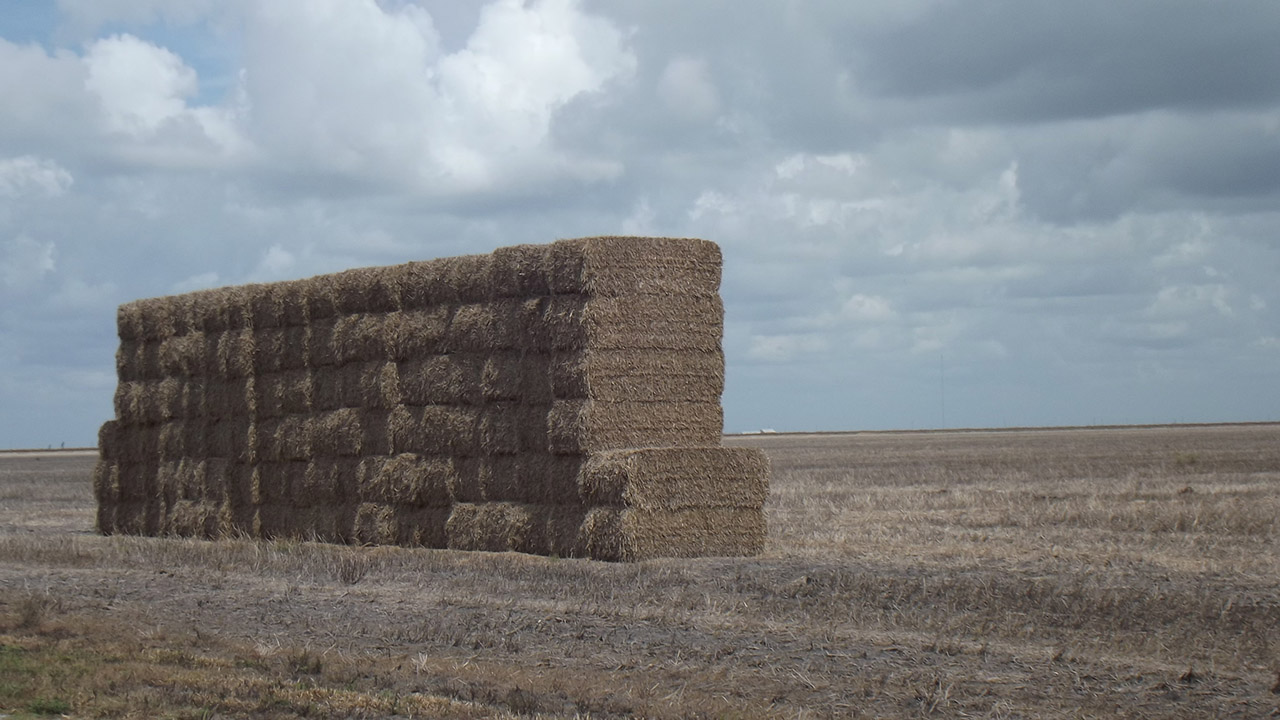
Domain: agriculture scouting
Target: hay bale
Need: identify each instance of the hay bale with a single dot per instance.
(374, 384)
(440, 380)
(110, 441)
(494, 526)
(503, 377)
(437, 430)
(138, 443)
(235, 354)
(329, 482)
(318, 299)
(240, 492)
(105, 519)
(676, 478)
(639, 375)
(376, 524)
(328, 390)
(173, 441)
(156, 319)
(499, 429)
(278, 483)
(129, 322)
(377, 431)
(578, 427)
(286, 393)
(229, 439)
(535, 479)
(411, 480)
(106, 482)
(521, 270)
(284, 438)
(423, 527)
(293, 356)
(646, 322)
(704, 532)
(359, 337)
(127, 402)
(320, 344)
(130, 361)
(365, 290)
(128, 519)
(227, 399)
(265, 306)
(217, 488)
(268, 351)
(634, 265)
(484, 327)
(336, 433)
(416, 333)
(465, 279)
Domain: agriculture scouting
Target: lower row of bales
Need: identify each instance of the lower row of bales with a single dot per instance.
(620, 505)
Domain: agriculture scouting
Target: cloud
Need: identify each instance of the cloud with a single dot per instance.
(26, 263)
(30, 174)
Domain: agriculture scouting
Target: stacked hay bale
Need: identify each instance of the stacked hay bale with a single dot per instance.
(556, 399)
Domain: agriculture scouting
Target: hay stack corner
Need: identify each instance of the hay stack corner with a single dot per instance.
(559, 399)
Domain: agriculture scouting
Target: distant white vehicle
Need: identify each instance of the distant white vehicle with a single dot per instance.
(768, 431)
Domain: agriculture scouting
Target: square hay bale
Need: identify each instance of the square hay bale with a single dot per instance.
(704, 532)
(531, 479)
(283, 438)
(578, 427)
(359, 337)
(484, 327)
(676, 478)
(156, 318)
(634, 265)
(521, 270)
(415, 334)
(377, 428)
(173, 440)
(464, 279)
(268, 351)
(105, 519)
(240, 491)
(230, 438)
(128, 402)
(502, 377)
(441, 380)
(499, 429)
(226, 399)
(235, 354)
(265, 306)
(330, 482)
(639, 375)
(318, 298)
(293, 356)
(376, 524)
(129, 322)
(106, 482)
(126, 519)
(365, 290)
(494, 526)
(336, 433)
(328, 391)
(293, 304)
(217, 481)
(420, 284)
(110, 441)
(437, 430)
(285, 393)
(278, 483)
(192, 518)
(374, 384)
(211, 310)
(130, 361)
(138, 443)
(647, 322)
(423, 527)
(320, 351)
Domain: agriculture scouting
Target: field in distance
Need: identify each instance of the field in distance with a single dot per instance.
(1109, 573)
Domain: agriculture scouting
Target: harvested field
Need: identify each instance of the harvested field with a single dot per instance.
(1103, 573)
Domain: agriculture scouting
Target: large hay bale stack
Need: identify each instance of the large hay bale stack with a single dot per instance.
(558, 399)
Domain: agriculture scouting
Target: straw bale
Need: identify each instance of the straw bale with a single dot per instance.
(278, 482)
(499, 429)
(293, 304)
(503, 377)
(463, 279)
(632, 265)
(138, 443)
(217, 481)
(240, 491)
(437, 430)
(238, 307)
(164, 488)
(128, 401)
(365, 290)
(329, 481)
(265, 306)
(576, 427)
(419, 284)
(704, 532)
(173, 440)
(284, 393)
(131, 361)
(125, 519)
(415, 333)
(274, 521)
(110, 440)
(484, 327)
(156, 318)
(533, 478)
(323, 524)
(676, 478)
(318, 298)
(521, 270)
(294, 354)
(644, 322)
(423, 527)
(319, 343)
(129, 322)
(378, 432)
(268, 350)
(282, 438)
(210, 310)
(327, 388)
(495, 526)
(376, 524)
(464, 480)
(192, 518)
(235, 354)
(336, 433)
(441, 380)
(427, 479)
(359, 337)
(106, 482)
(373, 384)
(226, 399)
(105, 519)
(639, 375)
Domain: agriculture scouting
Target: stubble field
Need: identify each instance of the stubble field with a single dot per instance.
(1110, 573)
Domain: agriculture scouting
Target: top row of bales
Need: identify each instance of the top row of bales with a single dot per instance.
(600, 267)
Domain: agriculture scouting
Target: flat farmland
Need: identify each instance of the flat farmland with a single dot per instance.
(1065, 573)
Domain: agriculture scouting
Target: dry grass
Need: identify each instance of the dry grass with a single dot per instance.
(1083, 573)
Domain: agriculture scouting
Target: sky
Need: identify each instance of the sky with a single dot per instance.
(933, 213)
